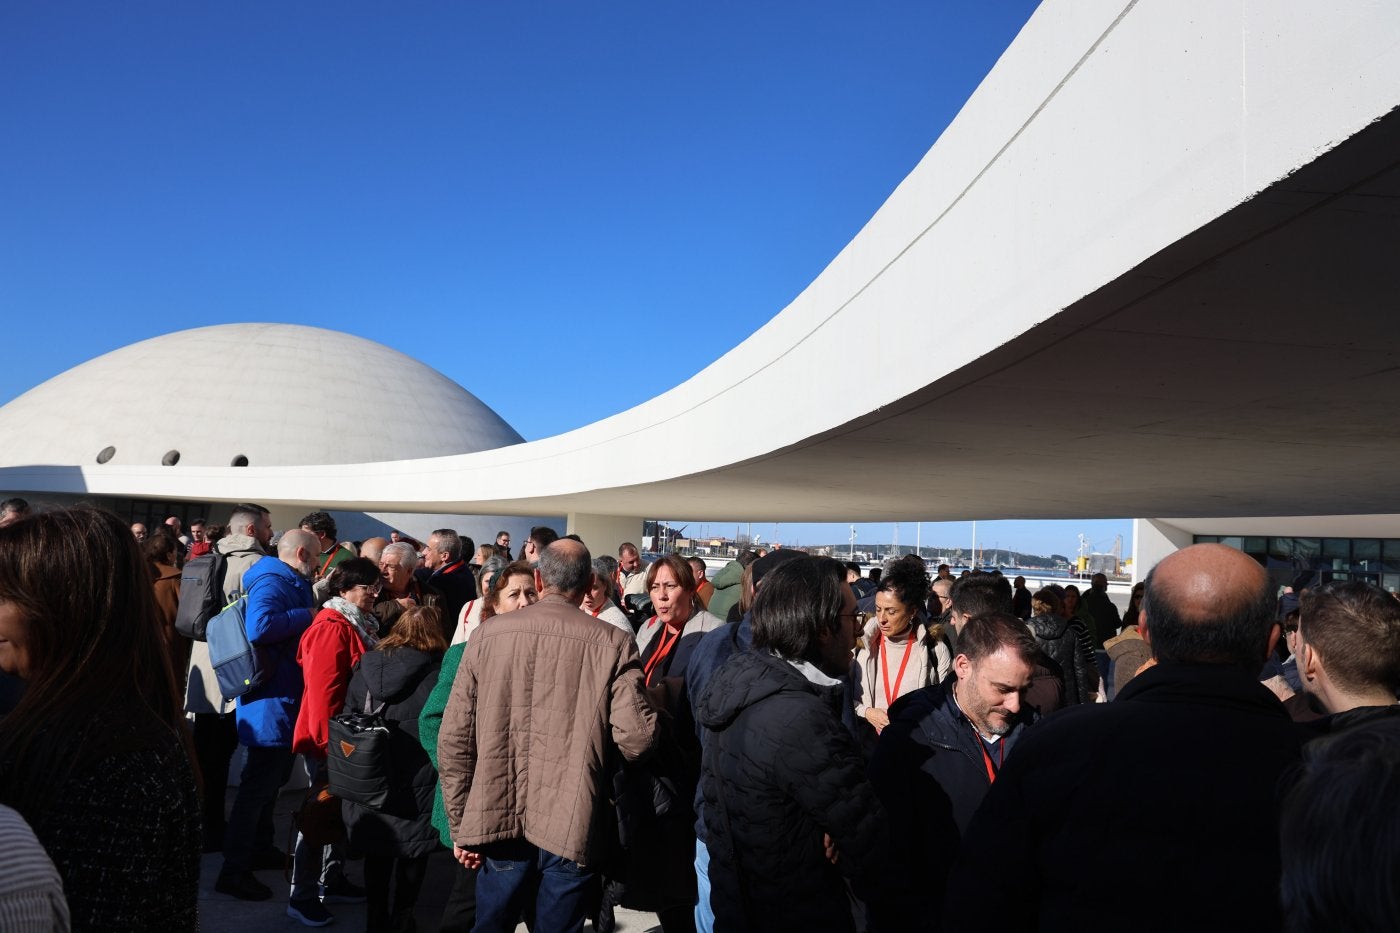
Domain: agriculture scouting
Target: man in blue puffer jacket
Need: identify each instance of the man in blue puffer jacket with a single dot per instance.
(278, 612)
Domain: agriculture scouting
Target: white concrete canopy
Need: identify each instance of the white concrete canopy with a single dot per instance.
(1148, 269)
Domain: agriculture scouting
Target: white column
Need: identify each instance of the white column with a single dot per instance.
(1154, 539)
(603, 533)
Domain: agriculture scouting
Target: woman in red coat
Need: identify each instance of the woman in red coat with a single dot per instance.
(342, 631)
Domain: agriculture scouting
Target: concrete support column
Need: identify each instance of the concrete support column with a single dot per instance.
(603, 533)
(1154, 539)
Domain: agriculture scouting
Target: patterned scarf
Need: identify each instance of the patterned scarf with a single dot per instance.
(364, 624)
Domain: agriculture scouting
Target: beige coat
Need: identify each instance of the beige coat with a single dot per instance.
(202, 694)
(523, 752)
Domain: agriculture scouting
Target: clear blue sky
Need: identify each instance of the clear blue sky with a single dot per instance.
(509, 192)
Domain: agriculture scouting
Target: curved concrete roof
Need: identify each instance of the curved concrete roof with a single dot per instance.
(302, 395)
(1146, 270)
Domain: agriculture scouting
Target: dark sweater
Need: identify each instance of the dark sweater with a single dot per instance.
(125, 833)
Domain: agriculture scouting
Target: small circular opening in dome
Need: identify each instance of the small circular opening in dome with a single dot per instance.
(106, 453)
(239, 460)
(171, 458)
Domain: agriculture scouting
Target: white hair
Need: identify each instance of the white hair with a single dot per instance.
(407, 554)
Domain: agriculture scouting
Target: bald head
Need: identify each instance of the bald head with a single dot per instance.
(298, 549)
(373, 548)
(566, 568)
(1209, 604)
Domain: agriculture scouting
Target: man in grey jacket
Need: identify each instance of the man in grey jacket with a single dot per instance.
(215, 733)
(541, 694)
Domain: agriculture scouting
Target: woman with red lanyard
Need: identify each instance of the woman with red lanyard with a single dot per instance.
(901, 654)
(679, 619)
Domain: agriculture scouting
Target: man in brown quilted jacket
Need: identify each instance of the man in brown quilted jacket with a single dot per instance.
(541, 694)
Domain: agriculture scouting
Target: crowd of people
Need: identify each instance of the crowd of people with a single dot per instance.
(787, 746)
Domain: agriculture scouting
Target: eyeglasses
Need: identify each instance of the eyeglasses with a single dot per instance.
(371, 588)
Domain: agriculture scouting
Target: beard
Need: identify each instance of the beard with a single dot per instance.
(1000, 725)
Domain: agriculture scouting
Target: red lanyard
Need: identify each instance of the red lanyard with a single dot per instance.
(987, 757)
(329, 557)
(598, 610)
(885, 668)
(663, 648)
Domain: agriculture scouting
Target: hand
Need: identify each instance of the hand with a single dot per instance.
(833, 855)
(468, 859)
(877, 717)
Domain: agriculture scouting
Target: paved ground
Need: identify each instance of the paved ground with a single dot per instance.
(219, 913)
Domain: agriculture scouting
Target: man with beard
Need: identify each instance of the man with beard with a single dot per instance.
(939, 755)
(278, 612)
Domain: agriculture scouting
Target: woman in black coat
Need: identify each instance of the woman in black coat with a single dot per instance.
(397, 838)
(783, 781)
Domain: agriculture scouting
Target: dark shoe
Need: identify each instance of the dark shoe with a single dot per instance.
(242, 886)
(309, 912)
(342, 891)
(269, 860)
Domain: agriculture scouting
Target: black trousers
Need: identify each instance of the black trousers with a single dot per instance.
(215, 740)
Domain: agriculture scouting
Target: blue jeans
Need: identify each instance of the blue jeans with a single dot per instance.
(704, 913)
(511, 871)
(250, 821)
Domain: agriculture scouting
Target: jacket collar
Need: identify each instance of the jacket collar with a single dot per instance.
(1216, 684)
(944, 723)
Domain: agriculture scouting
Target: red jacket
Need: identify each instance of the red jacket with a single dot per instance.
(327, 653)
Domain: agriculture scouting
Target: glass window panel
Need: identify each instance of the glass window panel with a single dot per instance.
(1234, 541)
(1334, 548)
(1281, 548)
(1205, 539)
(1307, 549)
(1365, 550)
(1255, 546)
(1391, 549)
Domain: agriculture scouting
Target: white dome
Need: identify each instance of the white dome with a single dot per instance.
(275, 394)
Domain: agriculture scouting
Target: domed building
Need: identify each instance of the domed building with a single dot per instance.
(268, 395)
(241, 395)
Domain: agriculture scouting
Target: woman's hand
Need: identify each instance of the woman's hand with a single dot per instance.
(877, 717)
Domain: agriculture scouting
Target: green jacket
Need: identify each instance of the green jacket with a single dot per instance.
(430, 721)
(727, 589)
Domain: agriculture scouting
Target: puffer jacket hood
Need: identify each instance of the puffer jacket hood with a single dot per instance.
(747, 679)
(391, 677)
(1048, 627)
(727, 589)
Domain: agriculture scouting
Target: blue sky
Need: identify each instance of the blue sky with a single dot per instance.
(616, 193)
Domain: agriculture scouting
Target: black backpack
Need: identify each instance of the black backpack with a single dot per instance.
(202, 594)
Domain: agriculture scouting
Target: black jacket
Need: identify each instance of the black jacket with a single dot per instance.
(931, 776)
(455, 588)
(402, 678)
(1106, 617)
(1191, 755)
(780, 770)
(1059, 640)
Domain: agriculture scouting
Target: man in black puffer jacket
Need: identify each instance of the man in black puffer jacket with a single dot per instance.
(782, 779)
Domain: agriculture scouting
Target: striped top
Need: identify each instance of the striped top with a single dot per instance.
(31, 893)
